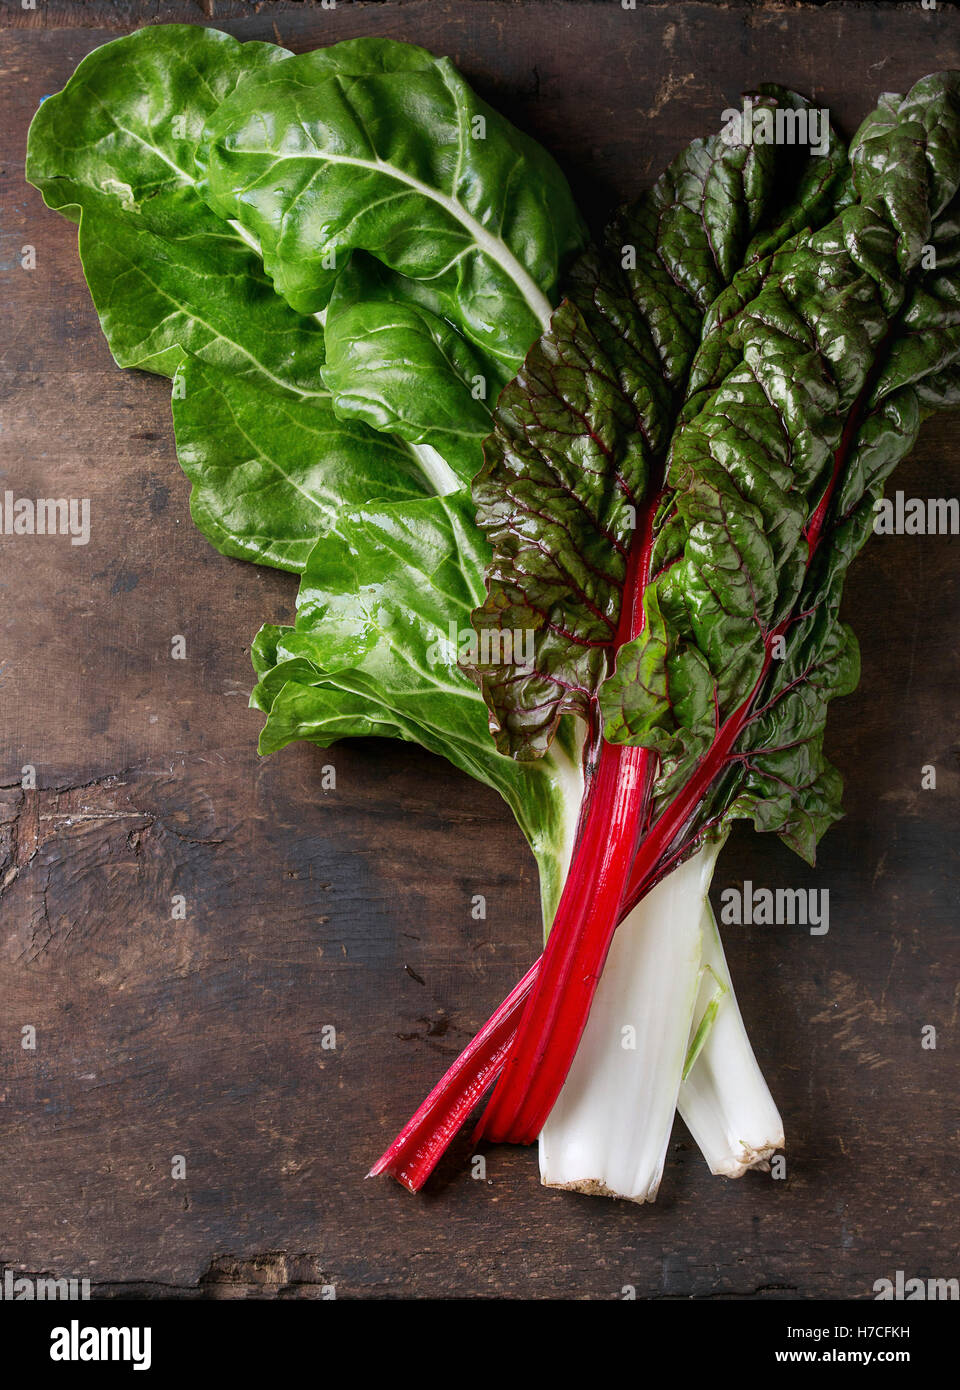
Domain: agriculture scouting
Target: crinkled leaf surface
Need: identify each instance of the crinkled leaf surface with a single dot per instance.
(581, 433)
(815, 396)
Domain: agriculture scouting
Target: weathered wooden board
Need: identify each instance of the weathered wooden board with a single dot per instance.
(350, 906)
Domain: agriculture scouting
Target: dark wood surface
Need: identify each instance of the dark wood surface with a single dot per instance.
(351, 907)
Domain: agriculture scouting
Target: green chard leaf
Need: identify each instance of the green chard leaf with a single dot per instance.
(329, 458)
(183, 293)
(380, 147)
(114, 151)
(383, 615)
(816, 394)
(574, 467)
(270, 472)
(394, 362)
(782, 781)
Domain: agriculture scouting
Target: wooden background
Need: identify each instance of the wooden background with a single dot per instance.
(351, 907)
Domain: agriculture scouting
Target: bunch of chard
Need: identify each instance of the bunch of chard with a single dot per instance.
(678, 479)
(349, 265)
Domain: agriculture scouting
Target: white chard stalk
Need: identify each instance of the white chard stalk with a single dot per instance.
(724, 1100)
(664, 1007)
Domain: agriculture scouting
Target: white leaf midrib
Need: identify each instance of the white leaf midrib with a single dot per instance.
(493, 247)
(434, 467)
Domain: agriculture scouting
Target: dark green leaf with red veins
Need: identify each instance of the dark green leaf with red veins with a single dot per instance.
(905, 160)
(783, 781)
(823, 188)
(581, 433)
(853, 335)
(568, 462)
(813, 189)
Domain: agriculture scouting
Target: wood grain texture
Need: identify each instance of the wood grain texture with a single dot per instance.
(351, 906)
